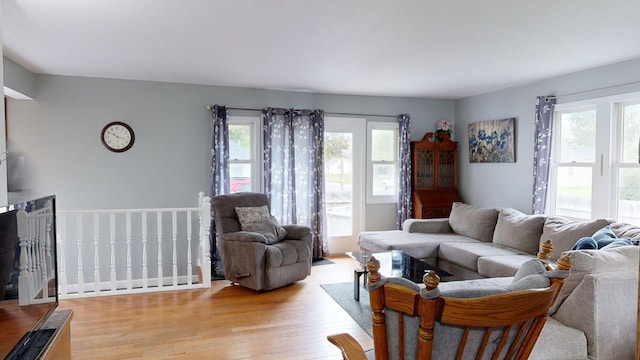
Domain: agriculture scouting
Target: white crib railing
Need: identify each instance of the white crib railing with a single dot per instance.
(109, 252)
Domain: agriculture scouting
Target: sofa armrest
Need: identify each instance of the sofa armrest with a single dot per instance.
(244, 236)
(427, 225)
(300, 233)
(604, 307)
(296, 232)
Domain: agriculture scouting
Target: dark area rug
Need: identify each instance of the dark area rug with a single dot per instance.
(360, 311)
(321, 261)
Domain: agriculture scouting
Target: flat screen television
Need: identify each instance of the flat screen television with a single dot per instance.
(28, 276)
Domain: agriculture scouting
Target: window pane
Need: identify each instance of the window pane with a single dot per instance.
(629, 196)
(384, 179)
(338, 169)
(631, 133)
(383, 145)
(240, 142)
(240, 177)
(578, 136)
(573, 194)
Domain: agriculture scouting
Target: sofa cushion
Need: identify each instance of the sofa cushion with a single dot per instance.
(531, 275)
(498, 266)
(452, 286)
(518, 230)
(417, 245)
(224, 209)
(474, 222)
(564, 232)
(378, 241)
(467, 254)
(618, 259)
(559, 342)
(286, 253)
(626, 231)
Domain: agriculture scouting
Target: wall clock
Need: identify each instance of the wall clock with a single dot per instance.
(117, 136)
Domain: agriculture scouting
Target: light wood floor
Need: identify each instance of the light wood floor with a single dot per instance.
(223, 322)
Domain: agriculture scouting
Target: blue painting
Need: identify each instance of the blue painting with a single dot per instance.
(492, 141)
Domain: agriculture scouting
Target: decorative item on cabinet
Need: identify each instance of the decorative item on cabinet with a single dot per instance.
(445, 127)
(434, 176)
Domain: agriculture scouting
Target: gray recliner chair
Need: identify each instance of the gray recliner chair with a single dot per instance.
(262, 260)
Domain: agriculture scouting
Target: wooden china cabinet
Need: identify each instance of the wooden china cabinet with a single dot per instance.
(434, 176)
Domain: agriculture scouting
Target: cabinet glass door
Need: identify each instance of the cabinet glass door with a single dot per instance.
(425, 172)
(446, 168)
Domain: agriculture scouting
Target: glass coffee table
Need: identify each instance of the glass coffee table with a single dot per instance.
(393, 263)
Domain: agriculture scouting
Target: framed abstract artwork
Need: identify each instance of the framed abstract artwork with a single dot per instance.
(492, 141)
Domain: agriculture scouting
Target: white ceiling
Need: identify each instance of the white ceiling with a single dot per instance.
(414, 48)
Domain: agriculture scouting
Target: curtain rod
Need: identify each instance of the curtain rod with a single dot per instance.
(592, 90)
(326, 112)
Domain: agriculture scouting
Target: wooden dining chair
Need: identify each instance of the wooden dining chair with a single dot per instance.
(413, 323)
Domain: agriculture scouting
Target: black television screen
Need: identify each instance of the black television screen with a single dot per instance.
(28, 268)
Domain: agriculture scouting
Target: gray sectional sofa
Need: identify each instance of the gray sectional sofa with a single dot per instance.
(595, 314)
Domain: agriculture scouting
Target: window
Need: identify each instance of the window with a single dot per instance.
(244, 154)
(595, 169)
(575, 161)
(627, 168)
(382, 169)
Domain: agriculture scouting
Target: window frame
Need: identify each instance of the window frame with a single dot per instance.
(255, 161)
(381, 199)
(608, 156)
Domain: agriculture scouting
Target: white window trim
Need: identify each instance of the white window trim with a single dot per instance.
(380, 199)
(256, 157)
(607, 158)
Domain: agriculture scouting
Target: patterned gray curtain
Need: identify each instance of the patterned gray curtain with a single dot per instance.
(542, 151)
(404, 154)
(294, 170)
(219, 169)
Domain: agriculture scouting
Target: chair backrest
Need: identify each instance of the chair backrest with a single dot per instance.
(500, 326)
(224, 209)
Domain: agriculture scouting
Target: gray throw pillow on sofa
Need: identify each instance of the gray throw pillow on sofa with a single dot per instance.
(269, 227)
(474, 222)
(258, 219)
(564, 232)
(518, 230)
(249, 214)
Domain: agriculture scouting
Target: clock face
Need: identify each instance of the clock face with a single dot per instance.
(117, 136)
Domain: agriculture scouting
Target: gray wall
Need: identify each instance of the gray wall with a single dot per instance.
(19, 79)
(56, 149)
(510, 185)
